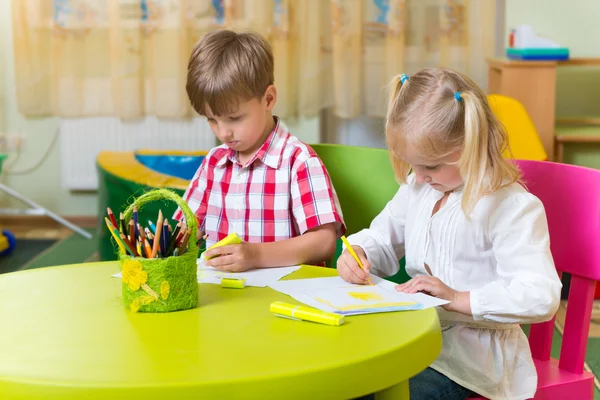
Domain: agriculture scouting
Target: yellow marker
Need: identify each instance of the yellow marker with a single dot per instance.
(233, 283)
(353, 254)
(232, 238)
(303, 313)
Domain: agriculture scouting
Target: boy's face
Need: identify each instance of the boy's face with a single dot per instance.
(246, 129)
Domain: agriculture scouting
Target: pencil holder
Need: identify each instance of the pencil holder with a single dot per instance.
(167, 284)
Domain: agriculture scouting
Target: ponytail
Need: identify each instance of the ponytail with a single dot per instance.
(401, 168)
(396, 84)
(482, 165)
(474, 160)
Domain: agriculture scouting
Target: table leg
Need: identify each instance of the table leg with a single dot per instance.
(396, 392)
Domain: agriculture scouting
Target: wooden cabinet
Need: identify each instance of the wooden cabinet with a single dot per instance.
(533, 83)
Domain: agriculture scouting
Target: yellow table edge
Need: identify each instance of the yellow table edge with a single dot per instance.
(386, 364)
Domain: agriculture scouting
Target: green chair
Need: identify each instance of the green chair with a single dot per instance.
(364, 181)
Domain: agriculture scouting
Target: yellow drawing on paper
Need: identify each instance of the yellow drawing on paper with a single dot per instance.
(354, 307)
(366, 296)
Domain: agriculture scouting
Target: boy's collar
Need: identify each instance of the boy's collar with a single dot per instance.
(269, 153)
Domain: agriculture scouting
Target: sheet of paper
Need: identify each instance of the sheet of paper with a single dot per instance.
(295, 285)
(336, 295)
(256, 277)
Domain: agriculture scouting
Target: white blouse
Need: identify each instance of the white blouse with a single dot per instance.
(501, 256)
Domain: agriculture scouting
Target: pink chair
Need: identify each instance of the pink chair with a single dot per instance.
(571, 197)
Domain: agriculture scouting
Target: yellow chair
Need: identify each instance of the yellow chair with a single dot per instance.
(524, 141)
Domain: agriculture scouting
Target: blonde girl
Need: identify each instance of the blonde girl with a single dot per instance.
(470, 232)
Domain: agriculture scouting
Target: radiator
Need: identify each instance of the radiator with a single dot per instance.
(81, 139)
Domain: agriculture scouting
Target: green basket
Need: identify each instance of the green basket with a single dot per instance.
(161, 284)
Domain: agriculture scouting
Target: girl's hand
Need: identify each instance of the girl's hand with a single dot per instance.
(235, 257)
(349, 269)
(459, 301)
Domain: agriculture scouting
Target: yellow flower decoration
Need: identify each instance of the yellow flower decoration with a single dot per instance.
(141, 301)
(134, 275)
(164, 289)
(135, 305)
(146, 300)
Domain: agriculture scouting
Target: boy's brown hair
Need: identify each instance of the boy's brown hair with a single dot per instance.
(227, 67)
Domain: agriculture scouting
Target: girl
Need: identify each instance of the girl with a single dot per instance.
(471, 234)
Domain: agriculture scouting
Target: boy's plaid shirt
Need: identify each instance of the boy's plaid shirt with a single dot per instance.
(282, 192)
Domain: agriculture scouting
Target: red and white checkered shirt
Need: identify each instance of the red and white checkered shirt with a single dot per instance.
(282, 192)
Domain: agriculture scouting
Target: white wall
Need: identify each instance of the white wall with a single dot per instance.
(573, 24)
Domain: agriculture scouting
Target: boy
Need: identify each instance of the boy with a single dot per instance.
(262, 182)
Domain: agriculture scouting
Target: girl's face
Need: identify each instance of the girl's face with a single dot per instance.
(442, 174)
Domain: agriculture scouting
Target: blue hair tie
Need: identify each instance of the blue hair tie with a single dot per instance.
(457, 96)
(403, 78)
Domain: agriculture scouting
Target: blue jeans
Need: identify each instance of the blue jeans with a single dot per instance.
(431, 385)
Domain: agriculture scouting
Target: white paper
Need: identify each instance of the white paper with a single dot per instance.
(336, 295)
(256, 277)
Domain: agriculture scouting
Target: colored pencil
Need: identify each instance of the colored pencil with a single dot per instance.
(112, 217)
(159, 224)
(135, 221)
(132, 237)
(172, 240)
(112, 230)
(164, 245)
(147, 248)
(129, 246)
(185, 241)
(123, 226)
(152, 227)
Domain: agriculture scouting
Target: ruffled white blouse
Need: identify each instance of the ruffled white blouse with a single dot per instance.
(501, 255)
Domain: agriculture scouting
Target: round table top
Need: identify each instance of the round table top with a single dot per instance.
(66, 334)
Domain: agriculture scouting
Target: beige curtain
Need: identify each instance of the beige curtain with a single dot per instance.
(128, 58)
(375, 40)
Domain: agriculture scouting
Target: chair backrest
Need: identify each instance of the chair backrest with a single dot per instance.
(523, 138)
(571, 198)
(364, 181)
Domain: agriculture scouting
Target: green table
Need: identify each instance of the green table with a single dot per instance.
(66, 335)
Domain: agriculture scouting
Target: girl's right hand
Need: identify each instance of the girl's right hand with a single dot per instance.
(349, 269)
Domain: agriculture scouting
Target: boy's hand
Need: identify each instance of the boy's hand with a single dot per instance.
(235, 257)
(349, 269)
(459, 301)
(199, 234)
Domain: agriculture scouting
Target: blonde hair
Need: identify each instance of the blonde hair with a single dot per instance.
(227, 67)
(424, 113)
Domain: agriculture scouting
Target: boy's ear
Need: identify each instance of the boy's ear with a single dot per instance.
(270, 97)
